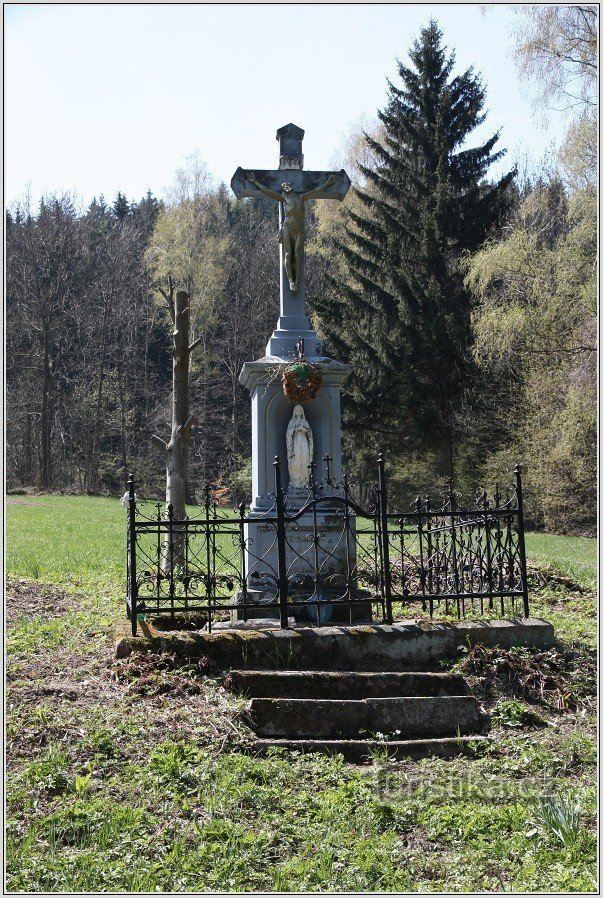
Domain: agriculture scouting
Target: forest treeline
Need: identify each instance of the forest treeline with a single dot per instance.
(466, 304)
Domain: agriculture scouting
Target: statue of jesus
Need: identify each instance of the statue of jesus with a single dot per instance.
(291, 234)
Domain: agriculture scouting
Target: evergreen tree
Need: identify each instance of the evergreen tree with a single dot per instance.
(425, 203)
(121, 207)
(146, 212)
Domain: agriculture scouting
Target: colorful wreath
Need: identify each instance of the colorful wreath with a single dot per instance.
(301, 381)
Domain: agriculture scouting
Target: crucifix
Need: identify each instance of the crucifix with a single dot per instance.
(298, 434)
(291, 187)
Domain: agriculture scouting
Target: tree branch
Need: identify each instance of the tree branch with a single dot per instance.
(169, 297)
(189, 424)
(194, 343)
(158, 443)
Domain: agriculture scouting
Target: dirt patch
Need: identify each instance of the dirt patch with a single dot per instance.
(560, 678)
(11, 500)
(544, 578)
(62, 693)
(149, 674)
(24, 598)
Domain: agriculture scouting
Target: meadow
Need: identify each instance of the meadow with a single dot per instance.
(135, 775)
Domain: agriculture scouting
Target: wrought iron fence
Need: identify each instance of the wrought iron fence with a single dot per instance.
(322, 557)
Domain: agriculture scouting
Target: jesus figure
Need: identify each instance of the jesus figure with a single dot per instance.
(292, 232)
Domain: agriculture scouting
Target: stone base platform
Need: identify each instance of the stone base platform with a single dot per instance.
(409, 646)
(360, 611)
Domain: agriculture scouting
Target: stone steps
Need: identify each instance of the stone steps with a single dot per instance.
(357, 713)
(361, 750)
(342, 684)
(311, 718)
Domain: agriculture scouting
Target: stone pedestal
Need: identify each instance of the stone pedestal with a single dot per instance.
(271, 413)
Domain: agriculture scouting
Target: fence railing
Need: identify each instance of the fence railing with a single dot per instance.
(322, 557)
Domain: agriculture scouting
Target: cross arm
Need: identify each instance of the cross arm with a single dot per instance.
(335, 180)
(304, 182)
(243, 187)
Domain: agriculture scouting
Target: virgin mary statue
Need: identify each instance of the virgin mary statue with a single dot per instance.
(300, 449)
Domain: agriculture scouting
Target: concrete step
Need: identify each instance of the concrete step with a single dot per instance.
(362, 750)
(305, 718)
(342, 684)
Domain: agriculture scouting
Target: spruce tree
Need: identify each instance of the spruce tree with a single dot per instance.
(121, 207)
(401, 315)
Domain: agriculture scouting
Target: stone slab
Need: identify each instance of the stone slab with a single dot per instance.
(342, 684)
(362, 750)
(404, 646)
(253, 623)
(305, 718)
(360, 611)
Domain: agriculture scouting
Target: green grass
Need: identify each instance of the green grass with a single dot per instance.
(52, 538)
(573, 556)
(128, 779)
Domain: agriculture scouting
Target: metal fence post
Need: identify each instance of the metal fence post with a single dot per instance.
(387, 574)
(209, 589)
(170, 510)
(455, 567)
(133, 586)
(421, 563)
(521, 541)
(243, 567)
(488, 554)
(280, 539)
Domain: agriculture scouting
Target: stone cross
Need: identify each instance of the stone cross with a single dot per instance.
(291, 187)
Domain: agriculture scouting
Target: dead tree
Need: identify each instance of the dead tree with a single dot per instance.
(176, 451)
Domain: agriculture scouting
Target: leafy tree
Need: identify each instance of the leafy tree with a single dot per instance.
(535, 326)
(579, 152)
(557, 49)
(535, 323)
(233, 306)
(402, 317)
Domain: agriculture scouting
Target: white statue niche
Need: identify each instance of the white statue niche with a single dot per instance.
(300, 449)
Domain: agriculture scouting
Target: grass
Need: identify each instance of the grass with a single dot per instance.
(573, 556)
(131, 775)
(57, 538)
(53, 538)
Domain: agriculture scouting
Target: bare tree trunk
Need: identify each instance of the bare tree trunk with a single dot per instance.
(27, 478)
(45, 418)
(122, 418)
(176, 451)
(50, 373)
(92, 473)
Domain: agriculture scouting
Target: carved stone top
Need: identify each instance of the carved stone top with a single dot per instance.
(290, 139)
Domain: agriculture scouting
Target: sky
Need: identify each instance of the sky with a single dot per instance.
(101, 98)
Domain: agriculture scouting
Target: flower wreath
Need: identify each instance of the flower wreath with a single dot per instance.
(301, 381)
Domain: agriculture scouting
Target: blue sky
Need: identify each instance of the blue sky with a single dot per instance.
(114, 97)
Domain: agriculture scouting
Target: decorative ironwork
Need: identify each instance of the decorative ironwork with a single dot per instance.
(371, 561)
